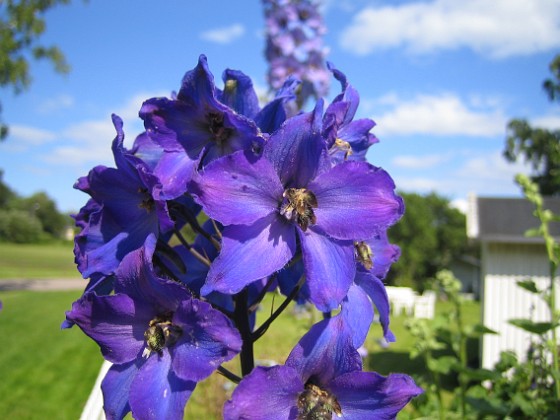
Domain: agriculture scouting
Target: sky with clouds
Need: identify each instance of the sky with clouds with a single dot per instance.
(441, 78)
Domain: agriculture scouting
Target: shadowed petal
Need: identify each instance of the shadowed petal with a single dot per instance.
(116, 323)
(355, 200)
(208, 339)
(250, 253)
(157, 393)
(329, 268)
(116, 389)
(266, 393)
(368, 395)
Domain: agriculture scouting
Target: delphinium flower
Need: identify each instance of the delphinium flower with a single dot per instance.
(322, 378)
(294, 46)
(160, 339)
(121, 213)
(293, 194)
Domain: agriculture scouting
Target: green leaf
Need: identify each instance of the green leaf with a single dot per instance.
(529, 285)
(480, 375)
(443, 364)
(533, 232)
(479, 330)
(538, 328)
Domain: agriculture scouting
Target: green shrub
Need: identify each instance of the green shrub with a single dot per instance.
(20, 227)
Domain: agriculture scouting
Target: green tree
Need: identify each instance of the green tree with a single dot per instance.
(21, 26)
(7, 195)
(539, 146)
(431, 235)
(41, 206)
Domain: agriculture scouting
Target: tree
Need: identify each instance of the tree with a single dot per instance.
(41, 206)
(539, 146)
(431, 235)
(21, 25)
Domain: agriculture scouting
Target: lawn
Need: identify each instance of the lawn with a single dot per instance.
(56, 260)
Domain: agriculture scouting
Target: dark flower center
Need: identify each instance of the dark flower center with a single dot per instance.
(298, 206)
(216, 127)
(160, 333)
(148, 202)
(315, 403)
(365, 254)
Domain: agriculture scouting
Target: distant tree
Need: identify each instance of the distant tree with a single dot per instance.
(41, 206)
(431, 235)
(21, 25)
(539, 146)
(6, 193)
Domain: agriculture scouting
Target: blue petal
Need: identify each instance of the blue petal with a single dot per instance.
(329, 268)
(368, 395)
(266, 393)
(325, 352)
(239, 93)
(250, 253)
(116, 389)
(378, 294)
(358, 314)
(157, 393)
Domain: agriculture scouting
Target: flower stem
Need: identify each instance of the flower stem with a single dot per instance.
(241, 319)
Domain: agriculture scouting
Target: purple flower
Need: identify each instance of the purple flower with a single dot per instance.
(121, 213)
(294, 46)
(322, 378)
(197, 127)
(292, 195)
(160, 339)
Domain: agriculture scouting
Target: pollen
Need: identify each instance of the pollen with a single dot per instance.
(298, 206)
(315, 403)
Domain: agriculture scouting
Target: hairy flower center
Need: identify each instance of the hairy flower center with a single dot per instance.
(315, 403)
(160, 333)
(365, 254)
(298, 206)
(216, 127)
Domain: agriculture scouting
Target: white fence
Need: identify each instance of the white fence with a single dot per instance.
(404, 299)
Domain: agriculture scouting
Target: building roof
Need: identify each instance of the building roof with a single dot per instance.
(491, 219)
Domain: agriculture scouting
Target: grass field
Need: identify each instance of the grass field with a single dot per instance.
(48, 373)
(48, 261)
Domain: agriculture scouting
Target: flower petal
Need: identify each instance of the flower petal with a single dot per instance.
(378, 294)
(157, 393)
(325, 352)
(358, 314)
(116, 323)
(266, 393)
(329, 268)
(250, 253)
(208, 339)
(237, 189)
(355, 199)
(367, 395)
(116, 389)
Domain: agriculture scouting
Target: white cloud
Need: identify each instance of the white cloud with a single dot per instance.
(225, 35)
(548, 122)
(58, 103)
(418, 162)
(443, 114)
(30, 135)
(497, 28)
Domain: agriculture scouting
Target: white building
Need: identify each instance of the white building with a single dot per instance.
(507, 256)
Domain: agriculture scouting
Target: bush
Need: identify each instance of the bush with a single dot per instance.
(20, 227)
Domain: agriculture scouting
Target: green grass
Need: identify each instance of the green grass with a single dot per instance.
(49, 373)
(46, 373)
(40, 261)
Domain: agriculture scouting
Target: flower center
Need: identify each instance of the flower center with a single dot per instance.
(160, 333)
(315, 403)
(148, 202)
(298, 206)
(216, 127)
(365, 254)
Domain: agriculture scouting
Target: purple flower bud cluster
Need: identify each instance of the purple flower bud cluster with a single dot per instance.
(294, 46)
(216, 203)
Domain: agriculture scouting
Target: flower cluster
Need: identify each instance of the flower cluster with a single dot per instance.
(273, 201)
(294, 46)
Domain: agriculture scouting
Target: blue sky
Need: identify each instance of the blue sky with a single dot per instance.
(440, 77)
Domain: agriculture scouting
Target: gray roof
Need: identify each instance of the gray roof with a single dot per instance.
(507, 219)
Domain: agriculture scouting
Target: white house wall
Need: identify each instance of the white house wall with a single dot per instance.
(503, 266)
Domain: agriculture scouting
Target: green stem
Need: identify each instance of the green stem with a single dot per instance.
(554, 321)
(462, 358)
